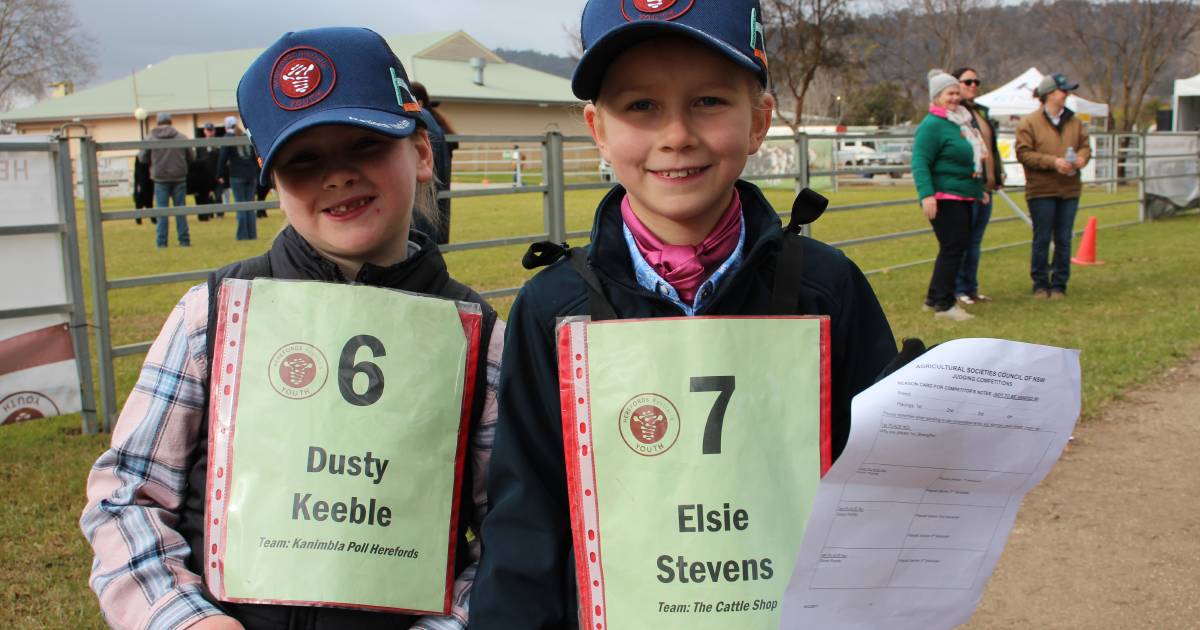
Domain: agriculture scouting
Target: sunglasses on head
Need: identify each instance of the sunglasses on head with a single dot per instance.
(974, 82)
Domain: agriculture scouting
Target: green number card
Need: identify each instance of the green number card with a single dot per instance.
(338, 419)
(694, 448)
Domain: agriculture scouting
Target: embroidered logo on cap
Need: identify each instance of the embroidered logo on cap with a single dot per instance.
(653, 6)
(654, 9)
(758, 38)
(301, 78)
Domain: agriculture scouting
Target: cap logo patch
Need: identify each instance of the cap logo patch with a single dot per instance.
(663, 10)
(302, 77)
(653, 6)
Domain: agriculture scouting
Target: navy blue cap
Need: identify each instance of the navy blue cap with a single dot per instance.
(731, 27)
(325, 76)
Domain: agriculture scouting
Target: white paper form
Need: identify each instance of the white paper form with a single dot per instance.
(909, 523)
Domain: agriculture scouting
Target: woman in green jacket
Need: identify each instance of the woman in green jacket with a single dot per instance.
(947, 165)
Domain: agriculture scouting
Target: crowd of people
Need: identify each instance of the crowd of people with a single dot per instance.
(956, 167)
(163, 178)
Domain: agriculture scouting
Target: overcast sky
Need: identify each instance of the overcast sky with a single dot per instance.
(133, 33)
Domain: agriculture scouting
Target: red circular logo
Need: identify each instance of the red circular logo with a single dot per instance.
(662, 10)
(299, 77)
(653, 6)
(23, 406)
(648, 424)
(23, 414)
(302, 77)
(298, 370)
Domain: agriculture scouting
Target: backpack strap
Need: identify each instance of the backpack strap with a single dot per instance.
(545, 253)
(598, 305)
(786, 297)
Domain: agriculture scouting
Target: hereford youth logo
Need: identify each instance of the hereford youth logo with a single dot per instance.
(298, 370)
(637, 10)
(649, 424)
(301, 78)
(23, 406)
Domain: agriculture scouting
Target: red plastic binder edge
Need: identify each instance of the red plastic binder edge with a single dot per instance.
(214, 568)
(576, 427)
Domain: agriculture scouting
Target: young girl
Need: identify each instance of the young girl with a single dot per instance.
(676, 102)
(350, 160)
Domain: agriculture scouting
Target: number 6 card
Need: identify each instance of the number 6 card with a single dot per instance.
(694, 447)
(338, 424)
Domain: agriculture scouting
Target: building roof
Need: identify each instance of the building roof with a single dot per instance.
(207, 82)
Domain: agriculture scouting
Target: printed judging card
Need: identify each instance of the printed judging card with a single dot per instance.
(694, 447)
(336, 445)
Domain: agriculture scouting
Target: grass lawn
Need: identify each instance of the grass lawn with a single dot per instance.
(1131, 318)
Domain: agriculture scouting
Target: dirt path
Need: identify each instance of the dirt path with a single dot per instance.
(1111, 539)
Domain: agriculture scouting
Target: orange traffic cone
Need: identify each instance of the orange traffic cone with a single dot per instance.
(1087, 247)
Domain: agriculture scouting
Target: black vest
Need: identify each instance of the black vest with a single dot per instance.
(292, 258)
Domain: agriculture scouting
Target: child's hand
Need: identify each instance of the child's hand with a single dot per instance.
(217, 622)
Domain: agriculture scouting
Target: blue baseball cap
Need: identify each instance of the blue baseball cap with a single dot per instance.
(731, 27)
(325, 76)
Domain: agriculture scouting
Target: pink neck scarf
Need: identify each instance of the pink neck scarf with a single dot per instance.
(686, 267)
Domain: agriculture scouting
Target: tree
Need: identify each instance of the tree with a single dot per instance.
(803, 37)
(915, 36)
(1119, 49)
(40, 43)
(880, 104)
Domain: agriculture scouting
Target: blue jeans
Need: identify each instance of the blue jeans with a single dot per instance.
(1053, 218)
(247, 222)
(171, 193)
(967, 282)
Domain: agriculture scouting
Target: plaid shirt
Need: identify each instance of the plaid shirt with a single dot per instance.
(136, 489)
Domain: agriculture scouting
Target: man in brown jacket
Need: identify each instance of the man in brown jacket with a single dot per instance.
(1052, 146)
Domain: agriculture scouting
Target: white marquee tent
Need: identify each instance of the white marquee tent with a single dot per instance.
(1186, 103)
(1015, 98)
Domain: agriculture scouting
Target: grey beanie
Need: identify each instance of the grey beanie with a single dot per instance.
(939, 81)
(164, 118)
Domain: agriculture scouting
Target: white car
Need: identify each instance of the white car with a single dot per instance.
(858, 153)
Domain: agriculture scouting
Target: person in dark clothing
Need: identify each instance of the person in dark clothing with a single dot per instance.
(143, 186)
(145, 516)
(676, 114)
(443, 156)
(202, 174)
(237, 167)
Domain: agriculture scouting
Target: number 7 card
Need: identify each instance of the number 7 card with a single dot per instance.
(693, 447)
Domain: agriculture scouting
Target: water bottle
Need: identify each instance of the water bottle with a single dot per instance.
(1071, 157)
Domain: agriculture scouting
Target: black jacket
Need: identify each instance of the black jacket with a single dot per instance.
(237, 162)
(292, 258)
(526, 578)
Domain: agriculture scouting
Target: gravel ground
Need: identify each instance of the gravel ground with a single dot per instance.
(1111, 538)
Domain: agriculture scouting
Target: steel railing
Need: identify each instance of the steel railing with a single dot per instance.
(1128, 157)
